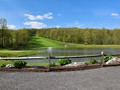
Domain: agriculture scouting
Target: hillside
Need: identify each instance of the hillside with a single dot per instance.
(40, 42)
(36, 42)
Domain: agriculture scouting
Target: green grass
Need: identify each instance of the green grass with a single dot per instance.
(82, 46)
(17, 53)
(28, 64)
(38, 64)
(40, 42)
(5, 62)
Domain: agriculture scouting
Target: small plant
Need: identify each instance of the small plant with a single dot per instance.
(64, 61)
(3, 65)
(52, 64)
(107, 58)
(93, 61)
(20, 64)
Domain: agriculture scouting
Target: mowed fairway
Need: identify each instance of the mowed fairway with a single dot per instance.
(40, 42)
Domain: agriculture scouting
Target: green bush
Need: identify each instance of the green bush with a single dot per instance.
(3, 65)
(64, 61)
(20, 64)
(93, 61)
(107, 58)
(52, 64)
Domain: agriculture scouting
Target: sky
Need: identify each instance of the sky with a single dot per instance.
(61, 13)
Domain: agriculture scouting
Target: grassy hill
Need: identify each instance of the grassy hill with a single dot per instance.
(40, 42)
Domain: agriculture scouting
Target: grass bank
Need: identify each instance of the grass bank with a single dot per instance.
(82, 46)
(17, 53)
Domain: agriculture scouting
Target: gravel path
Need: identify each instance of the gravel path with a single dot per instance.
(95, 79)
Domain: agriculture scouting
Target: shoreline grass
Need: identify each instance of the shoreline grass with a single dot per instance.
(17, 53)
(82, 46)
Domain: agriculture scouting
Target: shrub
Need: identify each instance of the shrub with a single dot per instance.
(64, 61)
(52, 64)
(20, 64)
(93, 61)
(107, 58)
(3, 65)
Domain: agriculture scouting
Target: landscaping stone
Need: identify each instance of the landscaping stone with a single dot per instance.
(75, 64)
(113, 61)
(9, 66)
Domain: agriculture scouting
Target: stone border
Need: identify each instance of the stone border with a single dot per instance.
(56, 69)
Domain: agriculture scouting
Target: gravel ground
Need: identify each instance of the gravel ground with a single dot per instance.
(95, 79)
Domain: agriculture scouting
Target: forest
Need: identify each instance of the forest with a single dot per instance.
(82, 36)
(13, 38)
(87, 36)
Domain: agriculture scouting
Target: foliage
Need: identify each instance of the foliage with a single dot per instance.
(3, 65)
(52, 64)
(20, 39)
(82, 36)
(38, 42)
(20, 64)
(13, 38)
(64, 61)
(5, 62)
(107, 58)
(28, 64)
(93, 61)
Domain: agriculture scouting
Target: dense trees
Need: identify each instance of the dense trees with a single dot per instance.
(20, 38)
(82, 36)
(14, 38)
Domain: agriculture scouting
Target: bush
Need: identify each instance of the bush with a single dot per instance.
(107, 58)
(52, 64)
(3, 65)
(64, 61)
(20, 64)
(93, 61)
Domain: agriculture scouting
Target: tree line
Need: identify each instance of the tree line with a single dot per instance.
(13, 38)
(20, 38)
(82, 36)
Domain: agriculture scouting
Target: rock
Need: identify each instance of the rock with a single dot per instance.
(9, 66)
(113, 61)
(75, 64)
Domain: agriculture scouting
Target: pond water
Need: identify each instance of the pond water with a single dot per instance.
(73, 52)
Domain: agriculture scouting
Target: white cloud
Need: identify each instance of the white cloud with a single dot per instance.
(115, 14)
(34, 24)
(48, 15)
(11, 26)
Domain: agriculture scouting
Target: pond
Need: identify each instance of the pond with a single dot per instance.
(73, 52)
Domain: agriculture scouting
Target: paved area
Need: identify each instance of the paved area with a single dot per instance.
(95, 79)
